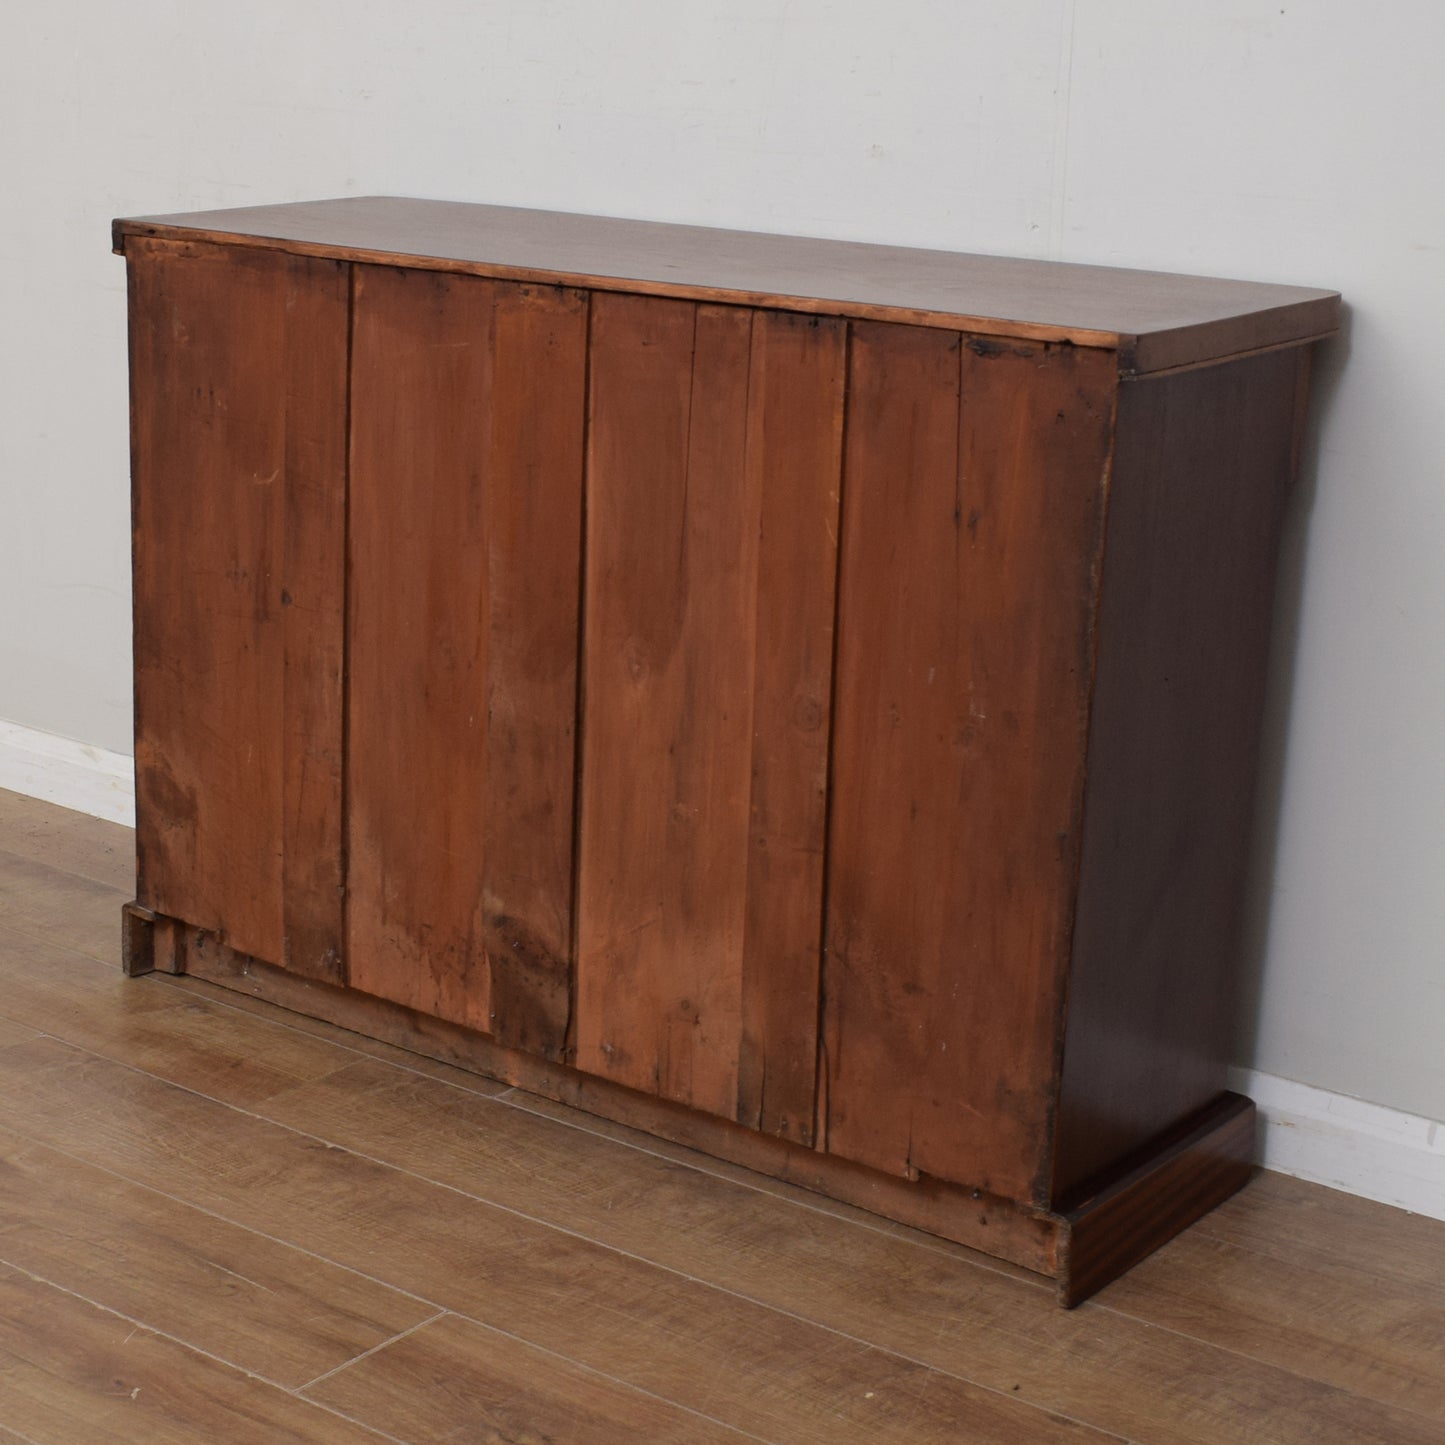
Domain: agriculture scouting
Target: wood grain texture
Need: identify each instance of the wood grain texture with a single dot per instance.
(1366, 1325)
(467, 415)
(967, 1215)
(772, 1374)
(794, 461)
(273, 1016)
(13, 1033)
(49, 903)
(137, 940)
(671, 592)
(1207, 1159)
(1157, 320)
(199, 1045)
(216, 389)
(456, 1380)
(713, 461)
(534, 559)
(972, 518)
(313, 625)
(250, 1301)
(73, 1371)
(1305, 1226)
(72, 842)
(1201, 475)
(564, 1173)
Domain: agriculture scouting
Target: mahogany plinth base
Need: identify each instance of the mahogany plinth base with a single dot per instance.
(1125, 1217)
(1156, 1195)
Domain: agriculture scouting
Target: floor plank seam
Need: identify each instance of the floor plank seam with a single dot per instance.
(521, 1107)
(1100, 1310)
(382, 1345)
(514, 1097)
(598, 1244)
(439, 1312)
(220, 1218)
(984, 1262)
(439, 1309)
(122, 895)
(109, 959)
(222, 998)
(194, 1349)
(1351, 1392)
(593, 1370)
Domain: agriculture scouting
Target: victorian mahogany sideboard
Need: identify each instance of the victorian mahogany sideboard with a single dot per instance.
(796, 697)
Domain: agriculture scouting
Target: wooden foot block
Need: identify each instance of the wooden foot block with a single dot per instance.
(137, 940)
(148, 942)
(1127, 1219)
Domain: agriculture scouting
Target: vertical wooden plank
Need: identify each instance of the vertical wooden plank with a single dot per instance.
(416, 646)
(534, 560)
(973, 502)
(209, 416)
(668, 682)
(465, 509)
(313, 597)
(794, 460)
(713, 465)
(1205, 459)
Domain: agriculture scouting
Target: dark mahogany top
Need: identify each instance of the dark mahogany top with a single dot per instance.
(1154, 320)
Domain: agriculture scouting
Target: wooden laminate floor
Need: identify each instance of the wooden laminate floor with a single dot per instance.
(221, 1222)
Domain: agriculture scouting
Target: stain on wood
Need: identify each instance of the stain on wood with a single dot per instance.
(464, 533)
(219, 384)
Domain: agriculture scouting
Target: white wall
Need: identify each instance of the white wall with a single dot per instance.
(1285, 141)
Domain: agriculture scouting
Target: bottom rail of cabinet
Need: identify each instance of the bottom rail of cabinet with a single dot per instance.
(1108, 1228)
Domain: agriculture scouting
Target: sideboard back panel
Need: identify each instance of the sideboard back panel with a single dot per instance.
(466, 478)
(234, 433)
(712, 517)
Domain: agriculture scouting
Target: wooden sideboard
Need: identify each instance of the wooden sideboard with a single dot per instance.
(795, 697)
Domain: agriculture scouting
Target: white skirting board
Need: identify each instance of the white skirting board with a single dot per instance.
(74, 775)
(1346, 1143)
(1349, 1144)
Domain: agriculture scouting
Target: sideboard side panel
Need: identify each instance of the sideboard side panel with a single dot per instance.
(466, 483)
(973, 501)
(232, 437)
(1202, 471)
